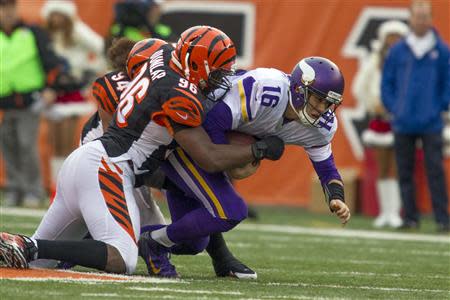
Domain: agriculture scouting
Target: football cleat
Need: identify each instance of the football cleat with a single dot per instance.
(156, 257)
(234, 268)
(16, 251)
(65, 265)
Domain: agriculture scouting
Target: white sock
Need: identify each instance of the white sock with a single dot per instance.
(160, 235)
(383, 198)
(383, 195)
(394, 203)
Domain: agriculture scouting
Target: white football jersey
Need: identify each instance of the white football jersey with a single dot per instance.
(258, 100)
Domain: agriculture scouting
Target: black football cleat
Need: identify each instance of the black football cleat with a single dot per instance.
(234, 268)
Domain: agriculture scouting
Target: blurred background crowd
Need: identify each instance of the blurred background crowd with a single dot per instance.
(391, 144)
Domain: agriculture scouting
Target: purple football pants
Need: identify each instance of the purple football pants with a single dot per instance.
(205, 203)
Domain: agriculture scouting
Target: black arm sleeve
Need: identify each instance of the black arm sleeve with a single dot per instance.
(49, 59)
(55, 67)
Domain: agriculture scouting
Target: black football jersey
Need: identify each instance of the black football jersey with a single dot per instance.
(106, 90)
(157, 103)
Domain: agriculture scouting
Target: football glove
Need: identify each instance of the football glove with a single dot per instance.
(271, 147)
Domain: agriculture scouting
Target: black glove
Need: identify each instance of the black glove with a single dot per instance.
(271, 147)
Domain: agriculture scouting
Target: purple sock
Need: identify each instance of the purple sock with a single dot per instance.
(198, 223)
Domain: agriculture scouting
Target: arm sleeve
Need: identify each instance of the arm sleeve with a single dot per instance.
(51, 63)
(326, 170)
(218, 121)
(105, 95)
(182, 110)
(388, 82)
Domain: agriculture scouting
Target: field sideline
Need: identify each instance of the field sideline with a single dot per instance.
(297, 256)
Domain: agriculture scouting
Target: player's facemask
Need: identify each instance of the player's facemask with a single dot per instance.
(333, 100)
(217, 80)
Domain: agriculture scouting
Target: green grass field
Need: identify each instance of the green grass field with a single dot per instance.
(297, 256)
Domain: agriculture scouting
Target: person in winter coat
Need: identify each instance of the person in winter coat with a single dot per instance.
(416, 91)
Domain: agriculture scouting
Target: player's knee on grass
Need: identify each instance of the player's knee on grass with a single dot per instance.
(122, 260)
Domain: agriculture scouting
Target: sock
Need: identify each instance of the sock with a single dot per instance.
(35, 256)
(160, 235)
(86, 253)
(217, 248)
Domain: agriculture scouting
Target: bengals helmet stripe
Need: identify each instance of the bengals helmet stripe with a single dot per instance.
(231, 59)
(202, 50)
(220, 55)
(193, 44)
(214, 42)
(140, 53)
(185, 38)
(188, 34)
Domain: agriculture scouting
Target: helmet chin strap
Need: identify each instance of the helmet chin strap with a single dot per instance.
(305, 118)
(206, 68)
(186, 63)
(302, 115)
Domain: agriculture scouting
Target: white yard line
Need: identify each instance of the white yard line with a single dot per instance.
(88, 279)
(172, 290)
(302, 298)
(25, 225)
(351, 233)
(356, 287)
(125, 296)
(348, 233)
(21, 212)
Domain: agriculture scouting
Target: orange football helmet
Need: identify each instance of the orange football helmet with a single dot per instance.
(140, 53)
(205, 55)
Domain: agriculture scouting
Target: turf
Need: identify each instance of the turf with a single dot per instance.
(289, 265)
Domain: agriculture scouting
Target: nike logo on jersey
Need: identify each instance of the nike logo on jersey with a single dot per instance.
(184, 117)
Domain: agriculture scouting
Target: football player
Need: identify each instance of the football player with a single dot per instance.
(162, 104)
(106, 91)
(298, 107)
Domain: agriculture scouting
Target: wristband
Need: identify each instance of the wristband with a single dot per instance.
(334, 191)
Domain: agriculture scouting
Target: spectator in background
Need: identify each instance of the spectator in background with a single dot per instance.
(139, 19)
(379, 135)
(82, 49)
(416, 90)
(27, 69)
